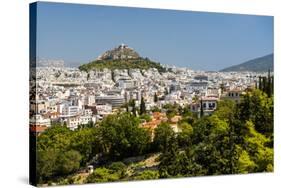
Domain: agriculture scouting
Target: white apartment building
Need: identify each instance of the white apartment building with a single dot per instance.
(38, 120)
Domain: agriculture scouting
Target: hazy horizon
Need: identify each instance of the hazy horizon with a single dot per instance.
(78, 34)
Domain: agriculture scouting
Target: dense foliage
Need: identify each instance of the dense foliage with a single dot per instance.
(122, 137)
(236, 138)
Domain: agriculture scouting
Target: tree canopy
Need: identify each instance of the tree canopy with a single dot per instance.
(236, 138)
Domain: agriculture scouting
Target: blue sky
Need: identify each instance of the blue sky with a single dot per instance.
(197, 40)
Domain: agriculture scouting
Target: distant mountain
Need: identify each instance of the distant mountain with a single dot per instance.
(121, 57)
(261, 64)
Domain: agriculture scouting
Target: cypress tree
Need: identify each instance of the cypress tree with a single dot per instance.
(127, 107)
(155, 98)
(264, 84)
(268, 88)
(201, 108)
(260, 84)
(272, 85)
(134, 110)
(142, 106)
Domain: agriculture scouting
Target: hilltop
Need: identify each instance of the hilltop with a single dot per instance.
(121, 57)
(122, 51)
(260, 64)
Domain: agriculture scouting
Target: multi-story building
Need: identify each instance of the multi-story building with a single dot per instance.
(114, 100)
(209, 105)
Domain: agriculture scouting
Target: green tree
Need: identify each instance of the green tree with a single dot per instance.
(169, 165)
(258, 108)
(118, 167)
(56, 137)
(155, 99)
(245, 163)
(101, 175)
(68, 162)
(46, 164)
(142, 107)
(201, 108)
(122, 136)
(260, 83)
(163, 134)
(226, 110)
(132, 103)
(268, 88)
(87, 142)
(171, 110)
(256, 146)
(147, 175)
(145, 117)
(185, 135)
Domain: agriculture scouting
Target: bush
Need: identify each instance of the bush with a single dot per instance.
(103, 175)
(147, 175)
(117, 166)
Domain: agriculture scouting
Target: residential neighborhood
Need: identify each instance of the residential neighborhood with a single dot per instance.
(71, 97)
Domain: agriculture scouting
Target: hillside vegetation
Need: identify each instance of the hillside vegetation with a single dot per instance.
(139, 63)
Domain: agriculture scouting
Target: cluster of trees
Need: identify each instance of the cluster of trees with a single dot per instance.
(266, 84)
(131, 107)
(61, 151)
(236, 138)
(122, 137)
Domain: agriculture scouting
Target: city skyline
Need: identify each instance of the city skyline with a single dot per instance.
(196, 40)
